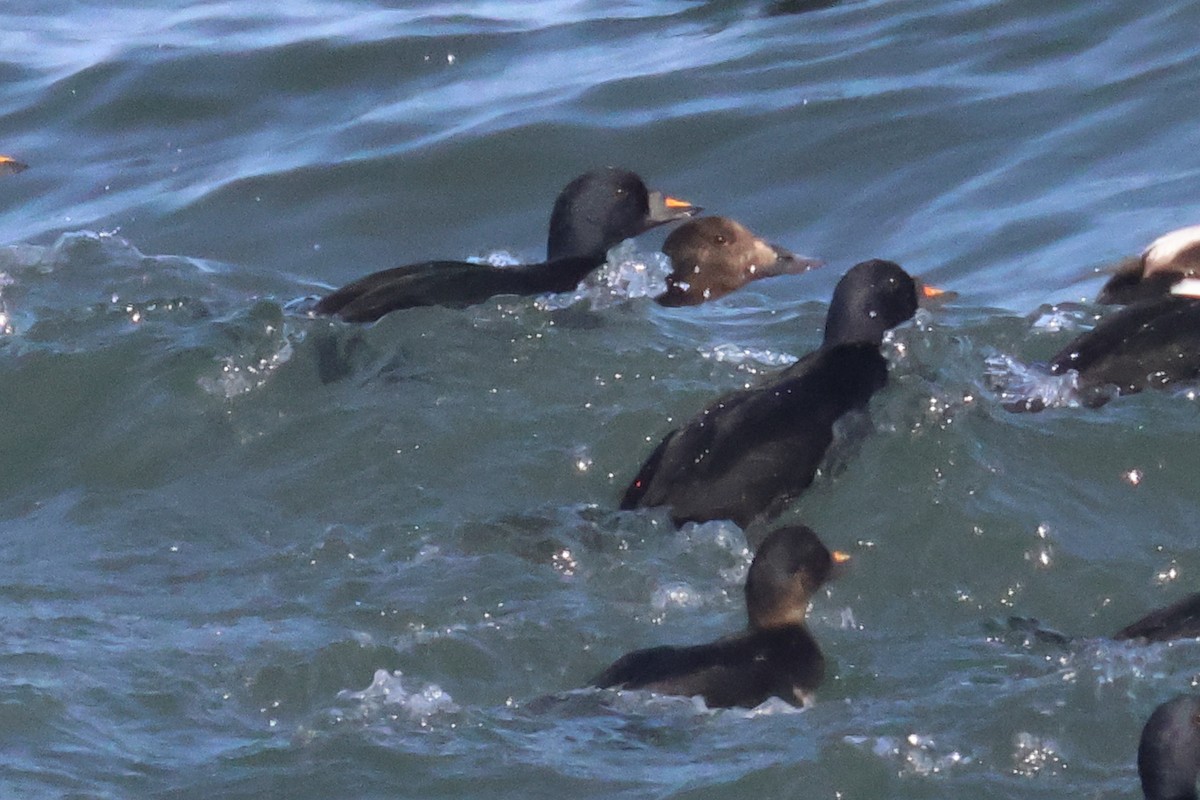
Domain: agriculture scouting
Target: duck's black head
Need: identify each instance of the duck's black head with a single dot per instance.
(1169, 753)
(790, 565)
(713, 256)
(869, 299)
(604, 207)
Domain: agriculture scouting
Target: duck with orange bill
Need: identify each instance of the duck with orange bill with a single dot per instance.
(776, 657)
(592, 214)
(749, 452)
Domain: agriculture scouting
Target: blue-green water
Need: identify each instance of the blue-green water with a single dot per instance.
(225, 574)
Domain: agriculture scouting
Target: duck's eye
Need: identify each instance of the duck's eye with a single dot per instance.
(720, 239)
(620, 191)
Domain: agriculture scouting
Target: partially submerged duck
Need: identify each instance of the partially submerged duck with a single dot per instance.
(1151, 344)
(775, 657)
(713, 256)
(593, 213)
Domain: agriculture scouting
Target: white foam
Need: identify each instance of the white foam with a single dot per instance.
(242, 373)
(387, 689)
(1019, 384)
(734, 354)
(626, 274)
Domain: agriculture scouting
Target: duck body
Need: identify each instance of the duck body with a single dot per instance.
(775, 657)
(750, 452)
(744, 670)
(594, 212)
(1152, 343)
(1169, 750)
(713, 256)
(453, 284)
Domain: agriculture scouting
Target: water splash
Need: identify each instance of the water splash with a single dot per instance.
(1021, 387)
(917, 753)
(262, 342)
(1033, 755)
(735, 354)
(387, 689)
(626, 274)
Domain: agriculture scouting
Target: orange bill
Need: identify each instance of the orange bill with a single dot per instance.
(9, 165)
(933, 297)
(664, 208)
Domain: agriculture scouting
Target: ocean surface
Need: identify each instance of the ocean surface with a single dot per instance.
(248, 553)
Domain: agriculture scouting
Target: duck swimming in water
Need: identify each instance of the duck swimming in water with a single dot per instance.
(1153, 343)
(750, 452)
(776, 657)
(594, 212)
(713, 256)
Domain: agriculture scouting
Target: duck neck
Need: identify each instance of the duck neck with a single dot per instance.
(558, 275)
(777, 619)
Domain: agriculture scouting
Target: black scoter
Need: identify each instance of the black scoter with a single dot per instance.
(751, 451)
(1169, 752)
(776, 657)
(1150, 344)
(594, 212)
(1169, 258)
(713, 256)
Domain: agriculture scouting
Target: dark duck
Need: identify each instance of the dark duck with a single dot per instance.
(713, 256)
(750, 452)
(594, 212)
(775, 657)
(1152, 343)
(1169, 751)
(1169, 259)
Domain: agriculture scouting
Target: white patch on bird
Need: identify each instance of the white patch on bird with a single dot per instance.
(1188, 287)
(1167, 247)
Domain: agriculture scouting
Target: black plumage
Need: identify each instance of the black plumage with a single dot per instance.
(1150, 344)
(1169, 751)
(594, 212)
(751, 451)
(775, 657)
